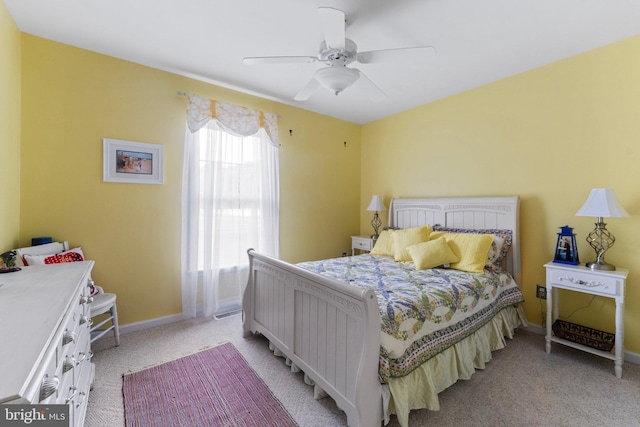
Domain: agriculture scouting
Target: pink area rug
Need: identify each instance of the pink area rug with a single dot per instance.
(214, 387)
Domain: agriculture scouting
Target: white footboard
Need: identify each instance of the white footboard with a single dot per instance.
(327, 328)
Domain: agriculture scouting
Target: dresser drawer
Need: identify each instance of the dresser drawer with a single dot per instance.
(593, 283)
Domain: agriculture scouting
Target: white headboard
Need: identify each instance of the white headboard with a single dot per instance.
(478, 213)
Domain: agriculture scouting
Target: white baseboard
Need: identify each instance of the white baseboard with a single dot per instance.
(628, 355)
(165, 320)
(632, 357)
(151, 323)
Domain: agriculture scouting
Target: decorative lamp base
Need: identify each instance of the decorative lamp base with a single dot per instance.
(376, 222)
(600, 239)
(595, 265)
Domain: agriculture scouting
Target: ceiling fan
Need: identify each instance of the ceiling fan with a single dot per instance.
(337, 51)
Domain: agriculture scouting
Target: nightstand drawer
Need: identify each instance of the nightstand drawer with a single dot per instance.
(589, 282)
(364, 244)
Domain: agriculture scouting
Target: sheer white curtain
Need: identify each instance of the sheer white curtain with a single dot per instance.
(230, 204)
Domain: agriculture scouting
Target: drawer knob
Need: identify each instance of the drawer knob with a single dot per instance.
(73, 391)
(81, 396)
(69, 336)
(68, 364)
(48, 387)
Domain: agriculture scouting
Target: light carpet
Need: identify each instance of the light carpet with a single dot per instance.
(213, 387)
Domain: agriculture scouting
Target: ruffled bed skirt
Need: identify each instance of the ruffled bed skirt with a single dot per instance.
(458, 362)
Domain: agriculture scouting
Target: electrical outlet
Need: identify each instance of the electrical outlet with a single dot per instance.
(541, 292)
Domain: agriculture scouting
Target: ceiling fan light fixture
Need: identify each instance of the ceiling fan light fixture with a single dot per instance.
(336, 51)
(337, 79)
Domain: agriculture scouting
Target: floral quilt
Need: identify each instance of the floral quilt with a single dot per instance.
(423, 311)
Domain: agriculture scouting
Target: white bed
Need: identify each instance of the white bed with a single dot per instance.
(331, 330)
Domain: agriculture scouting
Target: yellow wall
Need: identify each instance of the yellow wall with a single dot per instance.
(72, 99)
(9, 131)
(549, 136)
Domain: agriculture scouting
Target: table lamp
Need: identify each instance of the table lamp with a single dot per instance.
(376, 206)
(601, 203)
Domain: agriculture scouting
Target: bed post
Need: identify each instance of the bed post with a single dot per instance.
(368, 401)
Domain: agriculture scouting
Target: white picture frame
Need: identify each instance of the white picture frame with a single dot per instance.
(132, 162)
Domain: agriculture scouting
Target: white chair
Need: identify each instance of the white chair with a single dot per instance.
(102, 303)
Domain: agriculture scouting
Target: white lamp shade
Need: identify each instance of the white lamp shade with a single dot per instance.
(602, 202)
(376, 204)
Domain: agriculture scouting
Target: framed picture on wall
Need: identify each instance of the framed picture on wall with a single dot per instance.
(132, 162)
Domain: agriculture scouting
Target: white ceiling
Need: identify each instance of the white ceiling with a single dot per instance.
(477, 41)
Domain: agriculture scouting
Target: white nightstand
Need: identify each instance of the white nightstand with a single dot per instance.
(363, 243)
(595, 282)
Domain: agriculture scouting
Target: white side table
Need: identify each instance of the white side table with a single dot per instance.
(363, 243)
(595, 282)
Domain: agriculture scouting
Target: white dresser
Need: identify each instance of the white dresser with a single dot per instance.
(45, 356)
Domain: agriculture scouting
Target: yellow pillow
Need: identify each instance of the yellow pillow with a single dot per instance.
(384, 244)
(436, 235)
(432, 254)
(472, 249)
(407, 237)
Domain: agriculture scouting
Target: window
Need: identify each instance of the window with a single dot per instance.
(230, 204)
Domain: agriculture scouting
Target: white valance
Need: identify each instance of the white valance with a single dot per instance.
(234, 119)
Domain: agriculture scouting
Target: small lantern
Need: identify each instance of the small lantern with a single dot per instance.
(566, 249)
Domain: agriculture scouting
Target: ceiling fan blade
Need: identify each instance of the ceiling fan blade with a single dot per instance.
(307, 90)
(373, 92)
(252, 60)
(333, 26)
(406, 55)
